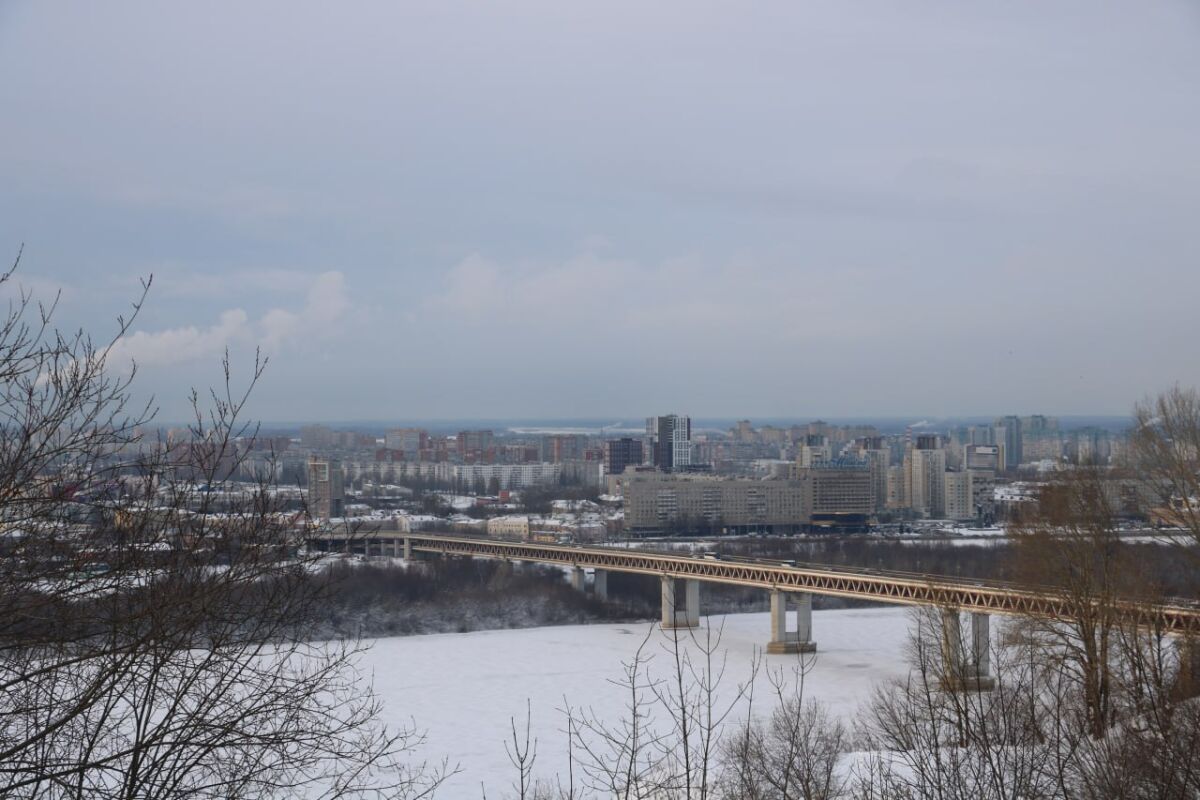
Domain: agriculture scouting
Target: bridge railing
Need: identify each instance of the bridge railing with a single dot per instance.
(850, 569)
(885, 586)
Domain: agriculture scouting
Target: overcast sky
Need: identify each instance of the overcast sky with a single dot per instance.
(565, 209)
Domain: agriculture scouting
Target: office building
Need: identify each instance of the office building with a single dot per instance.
(982, 456)
(842, 495)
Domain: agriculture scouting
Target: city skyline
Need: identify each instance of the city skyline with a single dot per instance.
(611, 426)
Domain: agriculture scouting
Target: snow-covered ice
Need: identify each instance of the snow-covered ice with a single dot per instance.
(463, 688)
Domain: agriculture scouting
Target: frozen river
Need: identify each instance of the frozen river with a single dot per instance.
(464, 688)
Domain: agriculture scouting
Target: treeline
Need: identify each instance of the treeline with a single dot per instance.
(457, 595)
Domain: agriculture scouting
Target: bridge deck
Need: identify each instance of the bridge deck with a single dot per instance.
(888, 587)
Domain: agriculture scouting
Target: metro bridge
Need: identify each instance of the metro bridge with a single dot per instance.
(792, 585)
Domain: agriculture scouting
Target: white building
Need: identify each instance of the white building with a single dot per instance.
(929, 482)
(968, 493)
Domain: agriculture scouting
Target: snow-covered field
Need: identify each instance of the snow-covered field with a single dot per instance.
(464, 688)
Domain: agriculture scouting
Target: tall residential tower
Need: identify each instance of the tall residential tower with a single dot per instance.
(670, 441)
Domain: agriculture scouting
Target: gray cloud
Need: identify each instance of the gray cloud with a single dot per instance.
(607, 208)
(277, 329)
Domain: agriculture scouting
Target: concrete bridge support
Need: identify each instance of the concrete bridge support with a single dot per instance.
(798, 640)
(579, 579)
(966, 664)
(407, 549)
(680, 603)
(1187, 678)
(600, 584)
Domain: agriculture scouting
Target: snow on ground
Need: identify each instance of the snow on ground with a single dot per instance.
(963, 541)
(463, 688)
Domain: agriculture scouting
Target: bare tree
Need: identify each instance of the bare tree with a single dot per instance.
(622, 759)
(668, 741)
(1165, 455)
(930, 742)
(794, 754)
(154, 614)
(689, 696)
(522, 754)
(1071, 548)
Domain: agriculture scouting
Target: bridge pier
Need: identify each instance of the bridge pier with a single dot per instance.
(600, 584)
(791, 641)
(578, 579)
(968, 670)
(407, 548)
(1187, 677)
(680, 603)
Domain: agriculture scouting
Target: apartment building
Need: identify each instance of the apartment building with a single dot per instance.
(658, 502)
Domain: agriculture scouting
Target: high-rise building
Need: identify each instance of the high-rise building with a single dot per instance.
(958, 496)
(928, 441)
(981, 434)
(559, 447)
(928, 481)
(895, 487)
(1090, 446)
(474, 446)
(347, 440)
(671, 441)
(1007, 431)
(743, 431)
(410, 441)
(1038, 424)
(326, 488)
(1040, 439)
(316, 437)
(969, 495)
(878, 459)
(622, 453)
(814, 451)
(983, 494)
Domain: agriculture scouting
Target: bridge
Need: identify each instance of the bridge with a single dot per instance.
(792, 586)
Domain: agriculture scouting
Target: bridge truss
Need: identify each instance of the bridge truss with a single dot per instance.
(899, 588)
